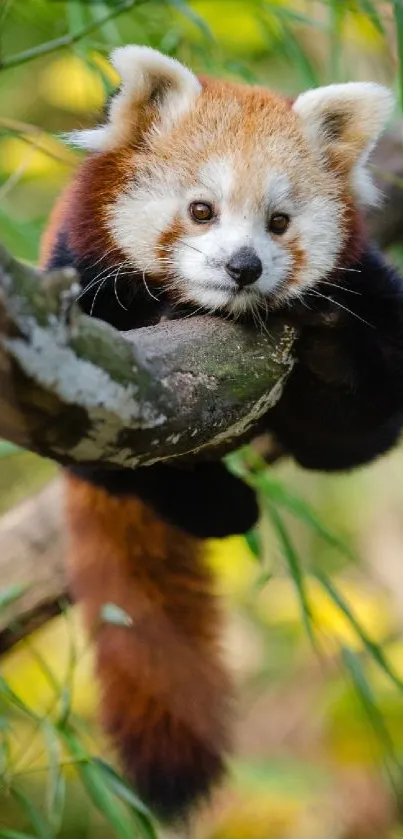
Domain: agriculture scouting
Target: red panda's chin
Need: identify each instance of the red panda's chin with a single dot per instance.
(235, 301)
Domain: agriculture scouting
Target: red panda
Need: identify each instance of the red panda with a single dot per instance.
(201, 195)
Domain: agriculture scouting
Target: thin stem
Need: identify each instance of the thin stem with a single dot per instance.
(65, 40)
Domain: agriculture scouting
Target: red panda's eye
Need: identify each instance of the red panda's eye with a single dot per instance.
(278, 223)
(201, 211)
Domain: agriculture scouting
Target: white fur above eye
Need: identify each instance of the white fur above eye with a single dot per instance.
(144, 72)
(350, 116)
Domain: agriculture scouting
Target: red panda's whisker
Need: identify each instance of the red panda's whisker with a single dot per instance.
(96, 280)
(193, 248)
(153, 297)
(101, 285)
(103, 256)
(195, 312)
(262, 322)
(353, 270)
(264, 301)
(316, 293)
(88, 288)
(301, 299)
(342, 287)
(100, 281)
(115, 288)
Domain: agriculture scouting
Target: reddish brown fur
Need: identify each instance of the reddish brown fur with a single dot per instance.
(165, 694)
(165, 697)
(169, 237)
(251, 115)
(299, 261)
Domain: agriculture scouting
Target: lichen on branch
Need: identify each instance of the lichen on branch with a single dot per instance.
(74, 389)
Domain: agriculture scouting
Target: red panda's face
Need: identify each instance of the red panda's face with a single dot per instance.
(237, 222)
(233, 196)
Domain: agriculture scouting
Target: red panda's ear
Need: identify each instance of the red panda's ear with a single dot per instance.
(343, 122)
(154, 91)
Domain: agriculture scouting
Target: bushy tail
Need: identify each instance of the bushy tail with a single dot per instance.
(165, 696)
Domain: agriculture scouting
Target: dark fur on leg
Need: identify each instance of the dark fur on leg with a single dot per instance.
(203, 499)
(343, 403)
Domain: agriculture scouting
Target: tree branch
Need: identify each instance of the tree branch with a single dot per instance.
(74, 389)
(32, 548)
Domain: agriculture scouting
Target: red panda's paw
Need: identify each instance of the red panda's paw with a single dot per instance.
(171, 768)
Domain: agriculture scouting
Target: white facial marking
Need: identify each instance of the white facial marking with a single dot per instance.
(196, 264)
(200, 259)
(141, 215)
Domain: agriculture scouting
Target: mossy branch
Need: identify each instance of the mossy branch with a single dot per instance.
(74, 389)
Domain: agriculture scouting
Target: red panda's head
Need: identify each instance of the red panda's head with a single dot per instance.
(231, 194)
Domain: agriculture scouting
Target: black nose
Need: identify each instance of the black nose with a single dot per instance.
(244, 266)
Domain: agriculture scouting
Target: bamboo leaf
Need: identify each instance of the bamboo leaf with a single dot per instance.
(294, 565)
(297, 56)
(8, 449)
(281, 495)
(10, 594)
(56, 786)
(367, 699)
(252, 539)
(398, 13)
(291, 15)
(374, 649)
(194, 18)
(38, 822)
(128, 796)
(16, 701)
(370, 10)
(110, 613)
(100, 794)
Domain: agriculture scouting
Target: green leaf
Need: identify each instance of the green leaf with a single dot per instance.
(336, 18)
(194, 18)
(371, 11)
(43, 665)
(15, 834)
(294, 565)
(371, 646)
(398, 12)
(126, 794)
(247, 464)
(292, 16)
(110, 613)
(38, 822)
(253, 541)
(298, 57)
(366, 697)
(10, 594)
(241, 69)
(9, 449)
(64, 705)
(109, 30)
(13, 698)
(100, 794)
(281, 495)
(56, 785)
(4, 756)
